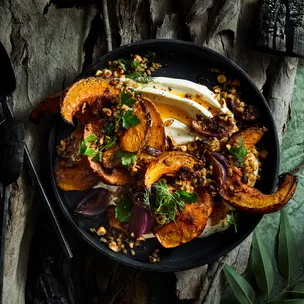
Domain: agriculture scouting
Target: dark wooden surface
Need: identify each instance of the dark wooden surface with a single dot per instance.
(49, 47)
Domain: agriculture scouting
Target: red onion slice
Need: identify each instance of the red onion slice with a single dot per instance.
(95, 202)
(140, 221)
(220, 169)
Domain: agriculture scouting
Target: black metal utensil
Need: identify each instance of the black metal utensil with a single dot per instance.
(7, 86)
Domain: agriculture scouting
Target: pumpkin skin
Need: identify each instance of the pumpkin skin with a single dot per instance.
(169, 163)
(87, 91)
(251, 200)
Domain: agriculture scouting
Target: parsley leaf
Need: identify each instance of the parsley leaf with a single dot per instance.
(127, 158)
(128, 64)
(123, 210)
(126, 98)
(233, 219)
(188, 197)
(125, 64)
(139, 77)
(109, 128)
(84, 149)
(98, 157)
(146, 199)
(129, 119)
(239, 151)
(110, 142)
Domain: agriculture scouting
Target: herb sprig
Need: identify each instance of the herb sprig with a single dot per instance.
(169, 204)
(238, 151)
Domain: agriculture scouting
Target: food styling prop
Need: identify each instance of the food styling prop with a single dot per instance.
(11, 152)
(85, 206)
(15, 131)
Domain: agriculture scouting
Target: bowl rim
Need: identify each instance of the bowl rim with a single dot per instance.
(137, 263)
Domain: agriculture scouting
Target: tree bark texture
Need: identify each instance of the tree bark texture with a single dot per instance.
(49, 47)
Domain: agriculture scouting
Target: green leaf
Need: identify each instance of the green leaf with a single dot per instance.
(134, 64)
(123, 210)
(241, 288)
(90, 152)
(188, 197)
(139, 77)
(239, 151)
(90, 138)
(129, 119)
(167, 204)
(261, 263)
(97, 157)
(287, 252)
(232, 219)
(127, 158)
(126, 98)
(125, 64)
(298, 290)
(110, 142)
(293, 301)
(84, 150)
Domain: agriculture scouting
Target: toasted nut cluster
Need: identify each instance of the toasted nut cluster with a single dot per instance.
(118, 241)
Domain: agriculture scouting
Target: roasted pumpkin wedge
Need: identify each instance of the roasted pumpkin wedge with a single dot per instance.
(169, 163)
(189, 224)
(251, 200)
(86, 90)
(115, 176)
(48, 105)
(110, 158)
(75, 178)
(136, 138)
(157, 131)
(250, 137)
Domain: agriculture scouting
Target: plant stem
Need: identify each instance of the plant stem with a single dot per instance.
(285, 289)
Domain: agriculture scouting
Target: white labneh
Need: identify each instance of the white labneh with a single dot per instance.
(181, 133)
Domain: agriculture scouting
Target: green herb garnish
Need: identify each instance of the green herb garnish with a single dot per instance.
(167, 204)
(123, 210)
(84, 149)
(126, 98)
(127, 158)
(128, 65)
(239, 151)
(187, 197)
(232, 219)
(129, 119)
(98, 157)
(139, 77)
(110, 141)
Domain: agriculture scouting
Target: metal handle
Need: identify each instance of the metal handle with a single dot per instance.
(6, 195)
(51, 212)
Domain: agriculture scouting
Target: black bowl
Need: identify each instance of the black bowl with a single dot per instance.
(188, 61)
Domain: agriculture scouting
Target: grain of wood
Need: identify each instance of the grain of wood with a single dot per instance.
(47, 50)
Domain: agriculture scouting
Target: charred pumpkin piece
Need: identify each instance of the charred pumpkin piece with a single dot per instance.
(110, 158)
(169, 163)
(189, 224)
(76, 178)
(250, 137)
(50, 105)
(136, 138)
(114, 222)
(157, 132)
(86, 90)
(251, 200)
(116, 176)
